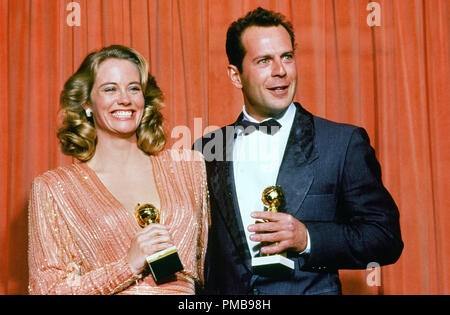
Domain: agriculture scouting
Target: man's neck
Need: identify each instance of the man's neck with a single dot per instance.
(254, 118)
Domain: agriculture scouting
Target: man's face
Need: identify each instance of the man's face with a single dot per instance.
(269, 73)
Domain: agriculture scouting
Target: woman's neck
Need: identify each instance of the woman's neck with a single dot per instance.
(117, 155)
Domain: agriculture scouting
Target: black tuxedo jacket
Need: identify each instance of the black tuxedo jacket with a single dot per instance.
(332, 183)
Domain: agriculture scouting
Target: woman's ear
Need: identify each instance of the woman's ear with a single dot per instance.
(87, 109)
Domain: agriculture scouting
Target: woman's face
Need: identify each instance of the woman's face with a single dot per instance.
(117, 100)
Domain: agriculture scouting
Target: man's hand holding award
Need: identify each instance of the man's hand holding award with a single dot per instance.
(270, 265)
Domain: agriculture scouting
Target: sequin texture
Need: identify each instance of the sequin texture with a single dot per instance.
(79, 234)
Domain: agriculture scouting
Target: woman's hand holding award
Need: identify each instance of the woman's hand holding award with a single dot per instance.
(163, 263)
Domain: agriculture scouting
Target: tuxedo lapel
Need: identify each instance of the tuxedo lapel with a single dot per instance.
(296, 174)
(295, 177)
(222, 180)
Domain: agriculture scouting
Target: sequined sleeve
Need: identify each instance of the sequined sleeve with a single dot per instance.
(54, 265)
(205, 219)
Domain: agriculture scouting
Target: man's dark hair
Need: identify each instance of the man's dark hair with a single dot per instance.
(257, 17)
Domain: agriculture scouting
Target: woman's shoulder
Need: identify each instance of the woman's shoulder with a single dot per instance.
(59, 175)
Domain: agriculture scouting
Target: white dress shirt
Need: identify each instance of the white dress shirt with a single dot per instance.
(256, 161)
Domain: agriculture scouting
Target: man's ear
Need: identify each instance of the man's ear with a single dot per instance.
(235, 76)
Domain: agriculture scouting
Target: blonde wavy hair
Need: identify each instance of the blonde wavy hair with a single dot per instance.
(77, 133)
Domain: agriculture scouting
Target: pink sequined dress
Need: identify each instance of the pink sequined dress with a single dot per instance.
(80, 234)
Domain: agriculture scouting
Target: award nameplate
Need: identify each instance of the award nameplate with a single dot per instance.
(163, 263)
(277, 265)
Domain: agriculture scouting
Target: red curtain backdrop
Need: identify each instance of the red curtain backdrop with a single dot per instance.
(391, 79)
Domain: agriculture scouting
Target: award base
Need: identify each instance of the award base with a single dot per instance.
(272, 266)
(164, 263)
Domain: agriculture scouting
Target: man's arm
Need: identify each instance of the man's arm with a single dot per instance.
(368, 228)
(367, 225)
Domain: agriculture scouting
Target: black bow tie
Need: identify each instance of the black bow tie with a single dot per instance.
(270, 126)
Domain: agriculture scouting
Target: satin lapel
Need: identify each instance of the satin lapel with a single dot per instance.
(225, 192)
(296, 173)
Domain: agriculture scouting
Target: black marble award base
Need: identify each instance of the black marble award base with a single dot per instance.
(276, 266)
(164, 263)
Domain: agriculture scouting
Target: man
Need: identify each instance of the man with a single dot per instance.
(337, 212)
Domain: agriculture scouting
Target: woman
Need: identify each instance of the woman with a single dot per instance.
(83, 236)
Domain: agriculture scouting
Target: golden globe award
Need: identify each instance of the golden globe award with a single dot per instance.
(277, 265)
(163, 263)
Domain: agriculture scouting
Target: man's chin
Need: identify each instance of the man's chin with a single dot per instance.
(279, 106)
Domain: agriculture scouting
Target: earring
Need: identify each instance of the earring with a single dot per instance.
(88, 112)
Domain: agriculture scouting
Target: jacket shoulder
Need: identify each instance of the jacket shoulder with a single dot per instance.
(335, 132)
(332, 126)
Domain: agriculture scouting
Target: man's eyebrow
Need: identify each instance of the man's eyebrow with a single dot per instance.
(262, 57)
(290, 52)
(269, 56)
